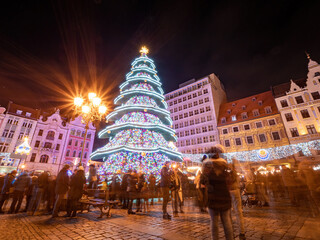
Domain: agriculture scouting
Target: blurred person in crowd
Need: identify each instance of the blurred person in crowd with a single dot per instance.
(51, 193)
(115, 186)
(165, 188)
(30, 190)
(62, 187)
(124, 186)
(152, 187)
(201, 190)
(234, 189)
(93, 177)
(77, 183)
(7, 187)
(290, 184)
(215, 176)
(176, 191)
(260, 182)
(20, 186)
(141, 182)
(41, 191)
(132, 189)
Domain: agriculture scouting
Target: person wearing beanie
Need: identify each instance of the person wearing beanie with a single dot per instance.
(215, 178)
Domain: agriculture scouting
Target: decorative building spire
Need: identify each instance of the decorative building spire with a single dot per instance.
(311, 63)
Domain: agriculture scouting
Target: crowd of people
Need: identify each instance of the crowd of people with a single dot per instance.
(218, 188)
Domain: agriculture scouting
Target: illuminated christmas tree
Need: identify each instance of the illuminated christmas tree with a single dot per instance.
(141, 137)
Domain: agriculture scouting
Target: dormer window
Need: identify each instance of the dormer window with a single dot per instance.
(244, 115)
(234, 118)
(243, 107)
(28, 114)
(233, 104)
(254, 99)
(268, 110)
(260, 103)
(223, 120)
(19, 112)
(228, 111)
(255, 112)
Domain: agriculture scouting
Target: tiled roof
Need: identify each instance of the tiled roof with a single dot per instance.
(12, 109)
(235, 108)
(281, 89)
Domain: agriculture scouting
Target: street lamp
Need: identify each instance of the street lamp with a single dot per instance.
(23, 148)
(90, 109)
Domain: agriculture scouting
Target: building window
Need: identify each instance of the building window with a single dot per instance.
(238, 141)
(189, 105)
(40, 133)
(184, 99)
(11, 133)
(195, 103)
(198, 130)
(185, 106)
(182, 134)
(275, 135)
(33, 157)
(192, 131)
(225, 131)
(180, 108)
(211, 138)
(190, 113)
(246, 127)
(44, 159)
(60, 136)
(189, 97)
(203, 119)
(223, 120)
(187, 133)
(255, 112)
(244, 115)
(201, 110)
(186, 124)
(208, 108)
(288, 117)
(234, 118)
(57, 147)
(175, 117)
(70, 142)
(271, 122)
(79, 154)
(74, 154)
(204, 129)
(193, 141)
(268, 110)
(180, 116)
(294, 132)
(305, 113)
(299, 99)
(205, 91)
(311, 129)
(206, 99)
(209, 118)
(50, 135)
(205, 139)
(259, 124)
(199, 140)
(315, 95)
(24, 124)
(181, 125)
(227, 143)
(85, 155)
(68, 153)
(47, 145)
(262, 138)
(196, 112)
(20, 136)
(37, 144)
(235, 129)
(284, 103)
(185, 115)
(191, 122)
(76, 144)
(210, 127)
(249, 139)
(200, 101)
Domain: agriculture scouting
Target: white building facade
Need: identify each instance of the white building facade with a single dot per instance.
(299, 105)
(194, 109)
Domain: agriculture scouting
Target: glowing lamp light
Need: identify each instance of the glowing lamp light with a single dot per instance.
(91, 96)
(96, 101)
(102, 109)
(24, 148)
(78, 101)
(86, 109)
(23, 166)
(144, 50)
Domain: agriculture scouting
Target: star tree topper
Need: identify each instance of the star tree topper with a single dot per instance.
(144, 50)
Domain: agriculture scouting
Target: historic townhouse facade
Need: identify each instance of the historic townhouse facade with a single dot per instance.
(299, 104)
(54, 141)
(18, 122)
(251, 124)
(194, 109)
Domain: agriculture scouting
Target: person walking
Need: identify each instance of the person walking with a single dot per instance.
(165, 188)
(7, 186)
(93, 178)
(289, 181)
(62, 187)
(141, 181)
(76, 189)
(152, 187)
(176, 191)
(132, 190)
(20, 186)
(215, 177)
(234, 189)
(124, 186)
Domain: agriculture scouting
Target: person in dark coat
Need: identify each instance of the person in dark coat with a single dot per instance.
(176, 191)
(124, 186)
(141, 181)
(62, 187)
(20, 186)
(40, 192)
(30, 191)
(152, 186)
(215, 177)
(165, 188)
(7, 184)
(93, 177)
(76, 190)
(132, 190)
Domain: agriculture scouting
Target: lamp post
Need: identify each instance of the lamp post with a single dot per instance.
(23, 148)
(90, 109)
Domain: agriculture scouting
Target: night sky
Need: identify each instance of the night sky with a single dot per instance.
(51, 51)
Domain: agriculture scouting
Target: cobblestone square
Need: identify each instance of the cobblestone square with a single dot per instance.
(276, 222)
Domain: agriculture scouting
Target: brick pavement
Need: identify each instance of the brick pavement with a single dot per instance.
(275, 222)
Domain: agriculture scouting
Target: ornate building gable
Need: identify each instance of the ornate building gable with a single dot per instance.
(294, 88)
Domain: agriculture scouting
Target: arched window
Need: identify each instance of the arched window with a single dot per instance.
(78, 133)
(83, 133)
(74, 154)
(73, 132)
(44, 158)
(89, 135)
(85, 155)
(50, 135)
(79, 155)
(68, 153)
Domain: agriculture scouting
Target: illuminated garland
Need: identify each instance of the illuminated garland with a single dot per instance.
(143, 86)
(139, 117)
(269, 154)
(141, 100)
